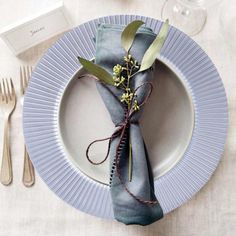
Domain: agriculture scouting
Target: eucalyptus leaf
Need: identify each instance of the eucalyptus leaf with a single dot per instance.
(154, 49)
(97, 71)
(128, 34)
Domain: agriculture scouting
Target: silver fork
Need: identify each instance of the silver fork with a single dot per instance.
(28, 171)
(7, 106)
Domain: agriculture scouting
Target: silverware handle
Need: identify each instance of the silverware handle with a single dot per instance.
(28, 171)
(6, 168)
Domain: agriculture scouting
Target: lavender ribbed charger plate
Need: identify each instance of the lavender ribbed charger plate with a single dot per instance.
(41, 107)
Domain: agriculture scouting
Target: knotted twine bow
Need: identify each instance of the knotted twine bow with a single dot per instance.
(121, 131)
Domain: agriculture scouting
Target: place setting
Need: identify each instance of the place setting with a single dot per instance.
(125, 118)
(8, 100)
(66, 150)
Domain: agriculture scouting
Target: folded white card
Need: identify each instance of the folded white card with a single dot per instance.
(36, 29)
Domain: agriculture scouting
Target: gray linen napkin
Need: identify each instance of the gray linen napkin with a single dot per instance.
(109, 52)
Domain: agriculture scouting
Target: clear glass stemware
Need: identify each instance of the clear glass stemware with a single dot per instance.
(187, 15)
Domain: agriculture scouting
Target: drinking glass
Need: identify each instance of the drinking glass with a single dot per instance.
(187, 15)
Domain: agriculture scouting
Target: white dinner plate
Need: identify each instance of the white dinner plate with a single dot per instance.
(184, 123)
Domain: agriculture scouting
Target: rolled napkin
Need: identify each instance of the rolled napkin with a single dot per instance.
(134, 201)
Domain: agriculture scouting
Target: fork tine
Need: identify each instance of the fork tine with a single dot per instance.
(13, 94)
(4, 91)
(1, 92)
(24, 77)
(21, 82)
(31, 71)
(8, 89)
(28, 74)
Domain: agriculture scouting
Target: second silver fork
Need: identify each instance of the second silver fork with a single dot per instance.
(7, 106)
(28, 171)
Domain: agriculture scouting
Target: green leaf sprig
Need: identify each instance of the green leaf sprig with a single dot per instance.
(119, 78)
(122, 75)
(155, 48)
(97, 71)
(128, 34)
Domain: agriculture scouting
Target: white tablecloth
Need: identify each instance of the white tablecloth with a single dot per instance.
(38, 212)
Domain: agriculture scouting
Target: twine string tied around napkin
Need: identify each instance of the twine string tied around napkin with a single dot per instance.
(122, 131)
